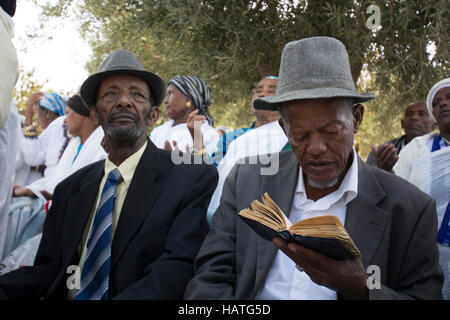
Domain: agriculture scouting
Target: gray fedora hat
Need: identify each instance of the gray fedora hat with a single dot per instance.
(122, 62)
(313, 68)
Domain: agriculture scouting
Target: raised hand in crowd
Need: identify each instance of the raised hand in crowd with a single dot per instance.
(194, 123)
(386, 156)
(31, 105)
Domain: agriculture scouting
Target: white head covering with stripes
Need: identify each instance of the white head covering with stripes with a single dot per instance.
(198, 91)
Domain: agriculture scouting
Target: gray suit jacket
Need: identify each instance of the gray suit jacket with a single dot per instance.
(393, 224)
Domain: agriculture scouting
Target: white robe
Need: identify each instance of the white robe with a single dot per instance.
(46, 148)
(180, 133)
(262, 142)
(8, 152)
(430, 172)
(91, 152)
(9, 71)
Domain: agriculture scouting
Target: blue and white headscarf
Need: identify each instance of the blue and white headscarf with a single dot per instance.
(198, 91)
(54, 102)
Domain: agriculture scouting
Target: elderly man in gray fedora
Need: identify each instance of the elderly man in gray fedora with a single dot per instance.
(130, 226)
(391, 222)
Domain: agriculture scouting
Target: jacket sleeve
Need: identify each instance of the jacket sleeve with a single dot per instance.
(215, 265)
(420, 275)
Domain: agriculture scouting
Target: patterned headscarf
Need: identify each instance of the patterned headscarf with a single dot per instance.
(54, 102)
(198, 91)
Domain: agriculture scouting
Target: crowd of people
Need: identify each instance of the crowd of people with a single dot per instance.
(95, 207)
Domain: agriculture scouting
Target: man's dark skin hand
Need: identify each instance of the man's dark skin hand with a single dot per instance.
(346, 277)
(386, 156)
(20, 191)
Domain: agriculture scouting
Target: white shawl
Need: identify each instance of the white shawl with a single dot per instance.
(9, 71)
(91, 152)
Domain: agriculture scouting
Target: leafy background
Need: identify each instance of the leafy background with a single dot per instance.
(233, 44)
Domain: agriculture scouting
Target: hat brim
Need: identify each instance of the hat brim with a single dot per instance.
(273, 103)
(90, 85)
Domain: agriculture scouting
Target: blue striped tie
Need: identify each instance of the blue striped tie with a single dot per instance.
(95, 276)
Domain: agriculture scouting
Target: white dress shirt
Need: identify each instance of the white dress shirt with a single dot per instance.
(284, 281)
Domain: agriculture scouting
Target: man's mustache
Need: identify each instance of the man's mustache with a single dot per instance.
(122, 114)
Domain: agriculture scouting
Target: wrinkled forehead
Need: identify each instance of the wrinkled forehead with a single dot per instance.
(317, 112)
(123, 81)
(416, 106)
(441, 92)
(267, 83)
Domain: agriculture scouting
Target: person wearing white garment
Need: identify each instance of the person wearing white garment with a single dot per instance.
(391, 222)
(9, 65)
(83, 149)
(265, 87)
(425, 163)
(262, 141)
(8, 151)
(44, 150)
(185, 95)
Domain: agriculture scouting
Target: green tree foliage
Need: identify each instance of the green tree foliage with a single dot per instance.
(233, 44)
(25, 87)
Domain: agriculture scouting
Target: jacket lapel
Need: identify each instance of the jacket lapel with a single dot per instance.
(140, 198)
(79, 208)
(365, 221)
(281, 188)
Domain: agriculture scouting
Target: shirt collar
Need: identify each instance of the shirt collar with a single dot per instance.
(348, 190)
(127, 167)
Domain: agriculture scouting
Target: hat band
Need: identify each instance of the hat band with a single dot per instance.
(316, 83)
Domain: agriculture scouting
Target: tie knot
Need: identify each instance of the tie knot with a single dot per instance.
(114, 176)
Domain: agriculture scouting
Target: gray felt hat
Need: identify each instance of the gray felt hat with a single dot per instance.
(313, 68)
(122, 62)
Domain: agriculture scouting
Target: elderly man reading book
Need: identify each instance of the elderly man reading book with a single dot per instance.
(391, 222)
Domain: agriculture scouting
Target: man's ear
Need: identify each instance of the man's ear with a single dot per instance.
(358, 113)
(283, 126)
(402, 123)
(153, 116)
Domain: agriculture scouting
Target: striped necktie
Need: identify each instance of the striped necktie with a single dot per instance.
(95, 275)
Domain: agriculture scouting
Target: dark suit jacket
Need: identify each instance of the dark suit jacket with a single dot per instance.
(160, 230)
(392, 222)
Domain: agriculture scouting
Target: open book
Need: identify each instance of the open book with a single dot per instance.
(324, 234)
